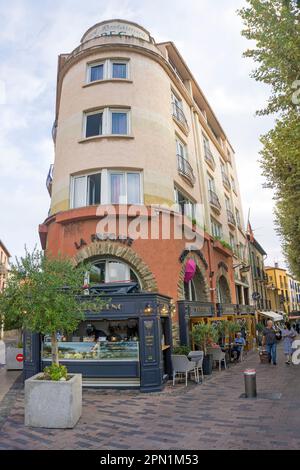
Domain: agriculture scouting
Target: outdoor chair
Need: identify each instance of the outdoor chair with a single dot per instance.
(182, 366)
(218, 356)
(197, 357)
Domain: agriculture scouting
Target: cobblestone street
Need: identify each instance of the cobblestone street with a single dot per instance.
(208, 416)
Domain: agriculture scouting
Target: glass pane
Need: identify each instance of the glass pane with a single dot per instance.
(119, 70)
(119, 123)
(93, 125)
(117, 188)
(97, 273)
(133, 188)
(79, 192)
(117, 272)
(96, 73)
(94, 189)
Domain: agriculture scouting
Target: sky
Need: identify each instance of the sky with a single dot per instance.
(34, 33)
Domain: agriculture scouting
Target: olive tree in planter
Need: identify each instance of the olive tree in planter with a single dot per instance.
(204, 335)
(43, 295)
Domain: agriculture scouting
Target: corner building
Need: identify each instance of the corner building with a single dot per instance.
(132, 126)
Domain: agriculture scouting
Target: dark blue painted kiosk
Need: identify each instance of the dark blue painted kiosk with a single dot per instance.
(127, 344)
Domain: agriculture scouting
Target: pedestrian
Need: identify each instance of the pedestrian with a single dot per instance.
(288, 334)
(269, 340)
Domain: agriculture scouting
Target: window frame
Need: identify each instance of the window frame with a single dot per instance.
(215, 223)
(111, 63)
(125, 173)
(107, 69)
(111, 111)
(89, 71)
(85, 119)
(72, 189)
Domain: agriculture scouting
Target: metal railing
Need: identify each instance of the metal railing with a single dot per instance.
(230, 217)
(185, 169)
(226, 180)
(213, 199)
(180, 116)
(209, 157)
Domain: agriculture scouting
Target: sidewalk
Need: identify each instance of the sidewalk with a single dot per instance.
(208, 416)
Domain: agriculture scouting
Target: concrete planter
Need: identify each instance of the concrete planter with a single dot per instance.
(50, 404)
(10, 358)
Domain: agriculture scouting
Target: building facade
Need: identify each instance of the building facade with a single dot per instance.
(135, 135)
(278, 288)
(4, 269)
(259, 277)
(294, 293)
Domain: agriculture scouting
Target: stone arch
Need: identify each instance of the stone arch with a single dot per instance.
(223, 287)
(201, 272)
(123, 253)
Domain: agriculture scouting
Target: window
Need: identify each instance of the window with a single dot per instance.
(185, 205)
(227, 203)
(119, 122)
(233, 185)
(107, 122)
(216, 229)
(181, 148)
(211, 184)
(238, 217)
(232, 241)
(125, 188)
(119, 70)
(111, 271)
(96, 72)
(108, 69)
(86, 190)
(93, 124)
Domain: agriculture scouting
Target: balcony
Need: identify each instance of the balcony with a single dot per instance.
(214, 201)
(209, 158)
(180, 118)
(226, 181)
(231, 219)
(185, 170)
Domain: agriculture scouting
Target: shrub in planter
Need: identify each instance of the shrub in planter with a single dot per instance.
(43, 295)
(204, 335)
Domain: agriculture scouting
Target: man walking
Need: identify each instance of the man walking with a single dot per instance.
(269, 340)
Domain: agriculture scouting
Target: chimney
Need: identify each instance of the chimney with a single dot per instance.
(276, 265)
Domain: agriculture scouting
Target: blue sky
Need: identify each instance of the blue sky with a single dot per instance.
(33, 33)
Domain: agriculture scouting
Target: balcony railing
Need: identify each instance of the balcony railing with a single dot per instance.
(226, 180)
(179, 116)
(214, 200)
(209, 157)
(50, 179)
(185, 169)
(230, 218)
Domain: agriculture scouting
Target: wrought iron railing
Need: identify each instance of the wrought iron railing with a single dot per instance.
(185, 169)
(230, 217)
(180, 116)
(226, 180)
(213, 199)
(209, 157)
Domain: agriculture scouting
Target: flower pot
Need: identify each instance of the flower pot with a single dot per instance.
(207, 364)
(11, 354)
(51, 404)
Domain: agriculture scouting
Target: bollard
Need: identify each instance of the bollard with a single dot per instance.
(250, 383)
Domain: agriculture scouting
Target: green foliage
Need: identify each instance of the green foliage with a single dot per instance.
(274, 26)
(224, 243)
(260, 327)
(184, 350)
(55, 372)
(42, 295)
(204, 334)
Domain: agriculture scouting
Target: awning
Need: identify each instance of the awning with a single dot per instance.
(272, 315)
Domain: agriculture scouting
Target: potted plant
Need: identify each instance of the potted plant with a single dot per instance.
(181, 350)
(204, 335)
(43, 293)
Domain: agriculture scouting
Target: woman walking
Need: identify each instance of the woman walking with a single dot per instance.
(288, 335)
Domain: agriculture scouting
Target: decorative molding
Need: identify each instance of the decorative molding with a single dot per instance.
(223, 265)
(185, 253)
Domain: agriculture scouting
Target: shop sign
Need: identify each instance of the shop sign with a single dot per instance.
(111, 237)
(116, 28)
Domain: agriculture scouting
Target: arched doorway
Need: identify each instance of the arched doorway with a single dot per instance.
(223, 291)
(195, 290)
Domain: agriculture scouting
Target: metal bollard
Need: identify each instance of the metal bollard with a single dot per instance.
(250, 383)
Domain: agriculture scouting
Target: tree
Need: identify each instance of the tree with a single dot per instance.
(274, 26)
(43, 295)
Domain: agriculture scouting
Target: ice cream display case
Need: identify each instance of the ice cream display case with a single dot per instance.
(94, 351)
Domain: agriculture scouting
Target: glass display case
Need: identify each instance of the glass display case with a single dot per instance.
(94, 351)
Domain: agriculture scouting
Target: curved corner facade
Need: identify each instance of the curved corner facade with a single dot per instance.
(132, 126)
